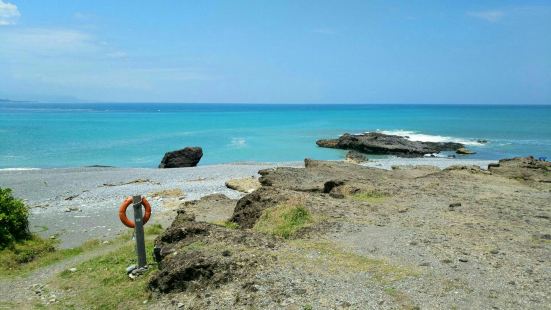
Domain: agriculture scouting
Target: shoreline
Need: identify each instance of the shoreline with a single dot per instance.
(79, 204)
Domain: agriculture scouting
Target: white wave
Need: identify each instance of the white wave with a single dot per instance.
(238, 142)
(18, 169)
(415, 136)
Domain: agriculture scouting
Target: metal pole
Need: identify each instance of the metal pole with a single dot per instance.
(138, 231)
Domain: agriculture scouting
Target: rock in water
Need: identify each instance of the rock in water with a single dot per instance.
(187, 157)
(464, 151)
(355, 157)
(382, 144)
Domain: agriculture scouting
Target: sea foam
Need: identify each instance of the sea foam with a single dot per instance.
(415, 136)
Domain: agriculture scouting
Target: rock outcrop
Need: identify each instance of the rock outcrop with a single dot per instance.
(186, 157)
(523, 168)
(382, 144)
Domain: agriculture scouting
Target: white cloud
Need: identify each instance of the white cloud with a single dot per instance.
(490, 16)
(8, 13)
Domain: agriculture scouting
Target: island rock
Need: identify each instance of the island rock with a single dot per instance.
(186, 157)
(383, 144)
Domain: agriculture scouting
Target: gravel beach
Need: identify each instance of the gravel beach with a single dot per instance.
(78, 204)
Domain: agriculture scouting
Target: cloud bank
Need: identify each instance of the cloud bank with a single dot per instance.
(8, 13)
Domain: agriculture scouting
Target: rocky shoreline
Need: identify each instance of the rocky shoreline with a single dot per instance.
(411, 237)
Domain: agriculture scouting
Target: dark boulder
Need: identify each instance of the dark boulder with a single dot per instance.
(187, 157)
(382, 144)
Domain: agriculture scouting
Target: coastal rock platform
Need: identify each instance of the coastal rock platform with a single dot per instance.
(411, 237)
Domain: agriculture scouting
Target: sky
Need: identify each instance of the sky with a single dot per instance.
(263, 51)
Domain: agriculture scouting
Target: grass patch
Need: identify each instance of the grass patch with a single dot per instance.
(371, 196)
(102, 283)
(336, 260)
(26, 256)
(155, 229)
(403, 300)
(283, 220)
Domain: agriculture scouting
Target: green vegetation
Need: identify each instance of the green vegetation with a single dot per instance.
(283, 220)
(370, 196)
(102, 283)
(14, 222)
(21, 251)
(155, 229)
(26, 256)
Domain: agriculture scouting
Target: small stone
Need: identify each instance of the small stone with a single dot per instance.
(454, 205)
(106, 242)
(424, 264)
(403, 210)
(73, 269)
(463, 260)
(180, 305)
(131, 268)
(494, 251)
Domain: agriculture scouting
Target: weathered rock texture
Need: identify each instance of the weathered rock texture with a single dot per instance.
(186, 157)
(382, 144)
(412, 237)
(523, 168)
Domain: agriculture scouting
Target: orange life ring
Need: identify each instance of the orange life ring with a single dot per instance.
(124, 206)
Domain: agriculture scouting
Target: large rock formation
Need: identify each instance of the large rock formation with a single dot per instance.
(382, 144)
(186, 157)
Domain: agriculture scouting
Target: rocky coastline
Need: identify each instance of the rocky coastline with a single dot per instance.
(413, 237)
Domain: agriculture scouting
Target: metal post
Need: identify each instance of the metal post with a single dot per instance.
(138, 231)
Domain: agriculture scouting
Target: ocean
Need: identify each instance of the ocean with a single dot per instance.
(34, 135)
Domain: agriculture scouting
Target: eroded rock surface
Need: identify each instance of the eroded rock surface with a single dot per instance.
(414, 236)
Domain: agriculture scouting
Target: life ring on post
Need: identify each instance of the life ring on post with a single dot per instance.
(122, 212)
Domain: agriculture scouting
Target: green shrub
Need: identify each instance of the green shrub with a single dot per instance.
(14, 222)
(283, 220)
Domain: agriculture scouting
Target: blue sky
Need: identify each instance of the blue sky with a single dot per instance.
(494, 52)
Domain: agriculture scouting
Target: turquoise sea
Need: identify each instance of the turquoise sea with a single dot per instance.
(43, 135)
